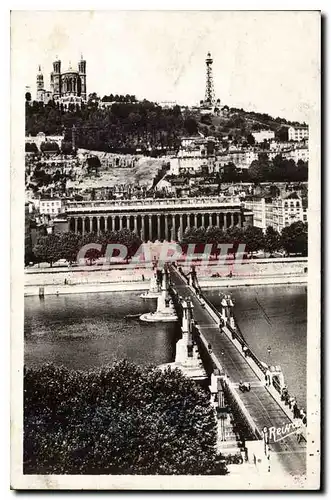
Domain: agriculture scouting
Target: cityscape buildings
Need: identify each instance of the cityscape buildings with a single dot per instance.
(278, 212)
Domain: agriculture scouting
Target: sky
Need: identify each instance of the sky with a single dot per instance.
(263, 61)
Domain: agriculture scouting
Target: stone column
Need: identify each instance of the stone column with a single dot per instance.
(239, 220)
(91, 224)
(150, 235)
(188, 218)
(225, 215)
(159, 227)
(135, 226)
(121, 221)
(196, 220)
(173, 228)
(143, 228)
(113, 222)
(219, 219)
(98, 224)
(232, 220)
(166, 229)
(76, 224)
(83, 226)
(181, 227)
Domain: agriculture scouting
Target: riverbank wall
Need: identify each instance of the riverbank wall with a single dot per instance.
(129, 277)
(85, 280)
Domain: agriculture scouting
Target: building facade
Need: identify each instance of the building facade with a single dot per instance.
(66, 87)
(298, 133)
(263, 135)
(277, 212)
(50, 206)
(162, 220)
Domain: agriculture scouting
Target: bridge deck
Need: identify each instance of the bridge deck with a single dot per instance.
(264, 410)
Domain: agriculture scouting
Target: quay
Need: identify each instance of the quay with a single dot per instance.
(261, 407)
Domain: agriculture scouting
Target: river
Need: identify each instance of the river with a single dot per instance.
(88, 330)
(274, 317)
(82, 331)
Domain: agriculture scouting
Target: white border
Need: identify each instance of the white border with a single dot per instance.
(19, 195)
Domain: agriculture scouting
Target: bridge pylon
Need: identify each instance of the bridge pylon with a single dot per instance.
(184, 346)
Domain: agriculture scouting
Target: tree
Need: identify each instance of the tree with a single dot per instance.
(28, 254)
(253, 239)
(66, 147)
(191, 125)
(124, 237)
(31, 147)
(282, 134)
(271, 240)
(70, 245)
(234, 236)
(123, 419)
(93, 164)
(28, 96)
(230, 173)
(259, 169)
(49, 147)
(294, 238)
(92, 254)
(48, 248)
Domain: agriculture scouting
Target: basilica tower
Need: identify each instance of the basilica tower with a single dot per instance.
(82, 74)
(40, 85)
(56, 79)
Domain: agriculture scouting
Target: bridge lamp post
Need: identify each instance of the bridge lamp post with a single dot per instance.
(269, 351)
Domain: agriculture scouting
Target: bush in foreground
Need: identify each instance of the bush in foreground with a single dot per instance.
(123, 419)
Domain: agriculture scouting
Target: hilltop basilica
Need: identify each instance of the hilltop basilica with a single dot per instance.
(66, 87)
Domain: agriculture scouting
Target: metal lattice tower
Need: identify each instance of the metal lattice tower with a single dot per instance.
(210, 93)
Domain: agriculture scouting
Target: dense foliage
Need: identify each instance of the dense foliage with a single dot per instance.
(293, 239)
(277, 170)
(263, 170)
(122, 419)
(122, 127)
(53, 247)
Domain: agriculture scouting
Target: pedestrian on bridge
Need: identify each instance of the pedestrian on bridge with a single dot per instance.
(284, 393)
(245, 350)
(299, 435)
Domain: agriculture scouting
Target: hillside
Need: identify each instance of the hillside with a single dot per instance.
(240, 124)
(143, 126)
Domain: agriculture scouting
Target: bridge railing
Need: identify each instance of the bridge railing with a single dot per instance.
(236, 334)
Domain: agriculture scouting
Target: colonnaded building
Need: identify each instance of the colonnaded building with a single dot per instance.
(155, 219)
(66, 87)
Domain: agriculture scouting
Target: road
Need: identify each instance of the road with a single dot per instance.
(264, 410)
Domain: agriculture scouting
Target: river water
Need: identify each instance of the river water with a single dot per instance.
(274, 317)
(83, 331)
